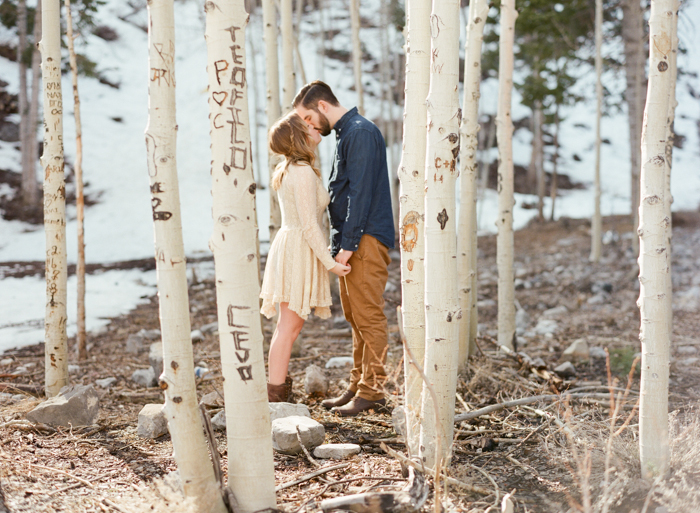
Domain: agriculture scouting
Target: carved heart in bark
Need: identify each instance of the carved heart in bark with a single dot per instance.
(219, 96)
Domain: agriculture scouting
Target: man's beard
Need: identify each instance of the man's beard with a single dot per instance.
(325, 128)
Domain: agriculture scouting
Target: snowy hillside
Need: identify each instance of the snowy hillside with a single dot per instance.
(119, 226)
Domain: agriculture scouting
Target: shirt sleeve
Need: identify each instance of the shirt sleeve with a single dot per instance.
(305, 183)
(361, 162)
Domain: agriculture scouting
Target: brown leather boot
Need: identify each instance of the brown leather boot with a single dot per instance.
(358, 405)
(280, 393)
(338, 401)
(288, 381)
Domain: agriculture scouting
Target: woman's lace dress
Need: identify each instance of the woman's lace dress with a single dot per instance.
(297, 265)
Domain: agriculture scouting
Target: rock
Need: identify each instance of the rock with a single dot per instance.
(522, 319)
(218, 421)
(315, 381)
(336, 451)
(597, 353)
(210, 328)
(197, 336)
(601, 286)
(145, 377)
(150, 334)
(282, 410)
(106, 382)
(566, 370)
(76, 405)
(390, 287)
(284, 434)
(19, 371)
(398, 419)
(155, 358)
(152, 421)
(72, 369)
(135, 343)
(539, 363)
(6, 361)
(556, 312)
(545, 326)
(576, 352)
(212, 400)
(339, 361)
(519, 284)
(599, 299)
(486, 303)
(687, 350)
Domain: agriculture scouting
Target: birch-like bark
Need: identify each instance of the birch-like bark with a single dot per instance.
(79, 199)
(596, 221)
(297, 30)
(654, 262)
(357, 53)
(539, 159)
(272, 77)
(56, 348)
(506, 199)
(289, 80)
(234, 241)
(555, 164)
(22, 101)
(469, 168)
(632, 26)
(412, 208)
(32, 147)
(442, 311)
(184, 422)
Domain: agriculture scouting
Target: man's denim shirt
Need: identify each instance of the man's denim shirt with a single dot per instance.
(359, 185)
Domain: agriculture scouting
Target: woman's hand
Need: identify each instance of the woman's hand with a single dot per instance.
(340, 269)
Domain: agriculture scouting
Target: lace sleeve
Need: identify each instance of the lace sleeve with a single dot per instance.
(305, 183)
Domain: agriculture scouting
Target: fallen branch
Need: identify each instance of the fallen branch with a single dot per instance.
(449, 480)
(310, 476)
(306, 451)
(79, 479)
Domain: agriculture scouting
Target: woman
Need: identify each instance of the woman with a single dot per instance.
(296, 273)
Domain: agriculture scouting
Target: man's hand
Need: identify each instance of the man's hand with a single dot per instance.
(343, 256)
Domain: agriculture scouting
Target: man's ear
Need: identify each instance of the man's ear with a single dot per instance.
(323, 106)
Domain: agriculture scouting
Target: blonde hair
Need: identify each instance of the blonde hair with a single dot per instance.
(289, 136)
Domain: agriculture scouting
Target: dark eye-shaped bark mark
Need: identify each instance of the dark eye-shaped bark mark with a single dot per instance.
(442, 218)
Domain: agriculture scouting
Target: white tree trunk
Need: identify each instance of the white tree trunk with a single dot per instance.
(234, 241)
(596, 221)
(54, 202)
(412, 207)
(539, 159)
(297, 54)
(654, 262)
(287, 32)
(357, 53)
(469, 168)
(555, 164)
(441, 298)
(506, 201)
(79, 200)
(22, 103)
(272, 77)
(633, 40)
(32, 148)
(184, 422)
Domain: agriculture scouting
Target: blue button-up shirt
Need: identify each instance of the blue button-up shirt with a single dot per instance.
(359, 185)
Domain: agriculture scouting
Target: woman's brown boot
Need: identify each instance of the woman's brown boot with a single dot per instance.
(280, 393)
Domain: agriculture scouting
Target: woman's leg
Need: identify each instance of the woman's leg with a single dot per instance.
(289, 325)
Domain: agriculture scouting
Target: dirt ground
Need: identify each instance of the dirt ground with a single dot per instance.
(551, 455)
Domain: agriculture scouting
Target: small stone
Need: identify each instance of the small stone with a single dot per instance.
(19, 371)
(599, 299)
(18, 398)
(556, 312)
(390, 287)
(150, 334)
(539, 363)
(76, 405)
(519, 284)
(687, 350)
(338, 362)
(601, 286)
(135, 343)
(212, 400)
(315, 381)
(576, 352)
(566, 370)
(597, 353)
(486, 303)
(106, 382)
(152, 421)
(522, 319)
(155, 358)
(197, 336)
(336, 451)
(144, 377)
(72, 369)
(6, 361)
(210, 328)
(398, 419)
(218, 421)
(545, 326)
(282, 410)
(284, 434)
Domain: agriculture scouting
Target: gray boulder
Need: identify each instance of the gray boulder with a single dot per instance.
(597, 353)
(282, 410)
(336, 451)
(212, 400)
(152, 421)
(218, 421)
(145, 377)
(284, 434)
(76, 405)
(577, 352)
(566, 370)
(315, 381)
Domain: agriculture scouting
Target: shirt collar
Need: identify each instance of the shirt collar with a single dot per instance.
(344, 119)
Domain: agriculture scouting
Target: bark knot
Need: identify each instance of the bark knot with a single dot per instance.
(442, 218)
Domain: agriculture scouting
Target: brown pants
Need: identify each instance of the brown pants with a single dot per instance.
(362, 298)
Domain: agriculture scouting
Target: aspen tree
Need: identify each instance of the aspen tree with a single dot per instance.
(357, 53)
(506, 201)
(596, 222)
(469, 168)
(654, 261)
(289, 77)
(272, 78)
(79, 199)
(56, 347)
(234, 244)
(32, 148)
(555, 163)
(441, 298)
(297, 30)
(184, 424)
(412, 207)
(22, 99)
(539, 159)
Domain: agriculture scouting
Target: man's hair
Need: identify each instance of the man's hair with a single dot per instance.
(309, 95)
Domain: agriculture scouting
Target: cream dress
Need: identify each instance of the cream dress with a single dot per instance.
(297, 265)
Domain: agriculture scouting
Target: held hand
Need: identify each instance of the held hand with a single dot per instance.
(340, 269)
(343, 256)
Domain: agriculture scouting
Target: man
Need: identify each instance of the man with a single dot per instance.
(362, 232)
